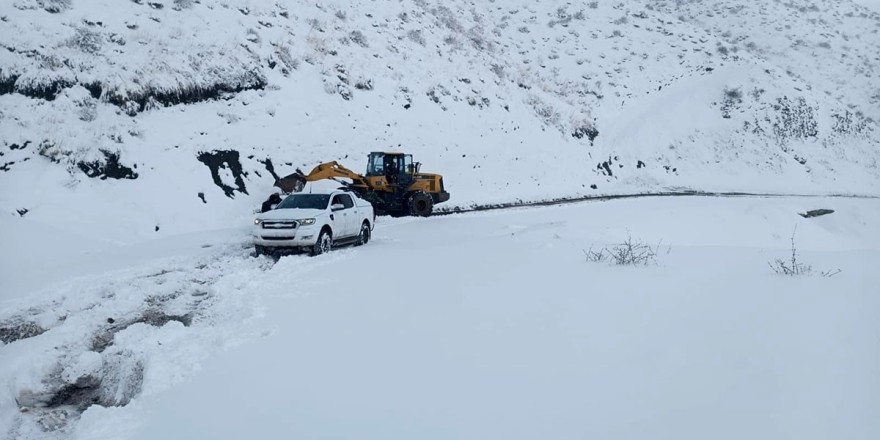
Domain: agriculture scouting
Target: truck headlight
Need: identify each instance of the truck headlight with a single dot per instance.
(257, 221)
(307, 221)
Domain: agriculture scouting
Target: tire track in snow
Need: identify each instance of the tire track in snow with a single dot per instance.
(105, 340)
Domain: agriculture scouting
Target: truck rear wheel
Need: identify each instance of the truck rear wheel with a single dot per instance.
(364, 235)
(420, 204)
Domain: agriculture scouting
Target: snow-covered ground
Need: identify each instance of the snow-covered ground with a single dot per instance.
(139, 136)
(482, 325)
(873, 4)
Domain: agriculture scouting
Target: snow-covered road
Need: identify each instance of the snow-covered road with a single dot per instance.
(486, 325)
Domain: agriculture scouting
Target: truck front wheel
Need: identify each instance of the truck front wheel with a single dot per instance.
(324, 243)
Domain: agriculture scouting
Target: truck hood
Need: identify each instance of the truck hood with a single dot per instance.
(290, 214)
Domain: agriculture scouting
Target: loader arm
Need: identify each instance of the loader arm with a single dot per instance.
(330, 170)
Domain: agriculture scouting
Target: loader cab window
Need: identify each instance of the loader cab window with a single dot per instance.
(376, 164)
(392, 169)
(392, 164)
(408, 167)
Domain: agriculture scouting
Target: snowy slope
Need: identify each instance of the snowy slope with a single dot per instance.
(513, 101)
(871, 4)
(509, 334)
(798, 37)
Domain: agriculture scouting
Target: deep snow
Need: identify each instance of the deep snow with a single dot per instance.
(492, 325)
(127, 281)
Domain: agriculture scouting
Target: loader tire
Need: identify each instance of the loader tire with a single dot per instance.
(420, 204)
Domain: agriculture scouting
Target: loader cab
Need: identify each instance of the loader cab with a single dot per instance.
(379, 164)
(398, 168)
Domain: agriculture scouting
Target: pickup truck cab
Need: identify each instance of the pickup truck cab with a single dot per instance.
(314, 223)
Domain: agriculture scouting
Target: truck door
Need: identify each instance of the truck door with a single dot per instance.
(345, 218)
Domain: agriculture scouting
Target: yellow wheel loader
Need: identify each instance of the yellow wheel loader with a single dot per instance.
(393, 183)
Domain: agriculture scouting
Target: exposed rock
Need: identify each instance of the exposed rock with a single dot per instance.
(816, 213)
(588, 132)
(228, 159)
(109, 168)
(270, 167)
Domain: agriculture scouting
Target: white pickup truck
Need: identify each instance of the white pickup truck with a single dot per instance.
(314, 223)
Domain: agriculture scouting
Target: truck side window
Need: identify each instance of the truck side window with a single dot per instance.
(337, 200)
(346, 201)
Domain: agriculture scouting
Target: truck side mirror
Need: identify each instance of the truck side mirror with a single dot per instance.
(337, 207)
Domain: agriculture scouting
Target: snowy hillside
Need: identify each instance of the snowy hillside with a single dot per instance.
(181, 110)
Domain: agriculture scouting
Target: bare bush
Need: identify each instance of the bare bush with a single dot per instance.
(315, 24)
(358, 38)
(546, 112)
(795, 119)
(364, 84)
(498, 70)
(86, 40)
(629, 253)
(732, 99)
(253, 36)
(87, 109)
(283, 53)
(416, 36)
(54, 6)
(794, 267)
(563, 18)
(476, 36)
(448, 19)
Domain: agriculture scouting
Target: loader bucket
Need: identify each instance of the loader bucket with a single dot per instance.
(292, 183)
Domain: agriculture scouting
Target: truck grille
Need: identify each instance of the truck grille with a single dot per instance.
(279, 224)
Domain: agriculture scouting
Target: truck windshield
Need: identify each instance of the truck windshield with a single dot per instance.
(305, 201)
